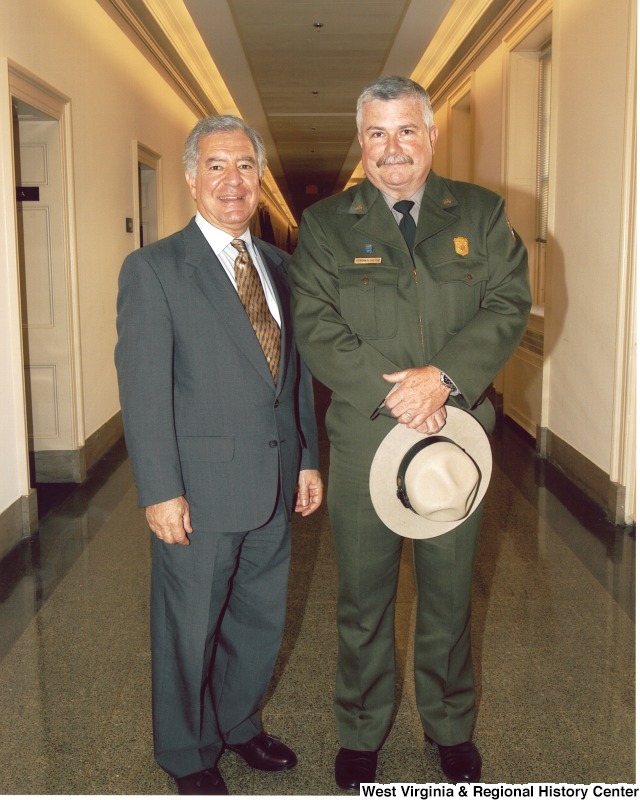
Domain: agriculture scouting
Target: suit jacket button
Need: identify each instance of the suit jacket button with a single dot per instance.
(276, 404)
(273, 443)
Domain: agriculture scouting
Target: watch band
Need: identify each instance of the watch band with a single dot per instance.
(446, 381)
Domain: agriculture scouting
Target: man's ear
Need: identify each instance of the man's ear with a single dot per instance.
(191, 183)
(433, 136)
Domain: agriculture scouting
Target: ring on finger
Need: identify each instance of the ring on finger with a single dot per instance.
(408, 415)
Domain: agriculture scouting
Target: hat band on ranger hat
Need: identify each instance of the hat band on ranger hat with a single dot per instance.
(420, 491)
(412, 452)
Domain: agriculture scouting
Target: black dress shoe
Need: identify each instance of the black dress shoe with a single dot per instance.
(265, 752)
(461, 763)
(354, 767)
(209, 781)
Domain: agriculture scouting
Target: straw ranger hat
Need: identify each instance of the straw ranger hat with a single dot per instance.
(425, 485)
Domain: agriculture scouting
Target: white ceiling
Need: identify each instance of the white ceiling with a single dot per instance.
(294, 68)
(298, 82)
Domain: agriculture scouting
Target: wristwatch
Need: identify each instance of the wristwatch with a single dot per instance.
(445, 380)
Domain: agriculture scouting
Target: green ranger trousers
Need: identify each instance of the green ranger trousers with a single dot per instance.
(368, 555)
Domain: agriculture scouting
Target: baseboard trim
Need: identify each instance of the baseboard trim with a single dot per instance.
(592, 480)
(18, 521)
(59, 466)
(72, 466)
(102, 440)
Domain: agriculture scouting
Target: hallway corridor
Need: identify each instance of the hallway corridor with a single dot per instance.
(553, 641)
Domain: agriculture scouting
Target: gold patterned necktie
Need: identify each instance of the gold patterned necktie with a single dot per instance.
(253, 299)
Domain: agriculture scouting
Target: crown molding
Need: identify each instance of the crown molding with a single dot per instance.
(178, 29)
(139, 22)
(169, 34)
(456, 26)
(448, 57)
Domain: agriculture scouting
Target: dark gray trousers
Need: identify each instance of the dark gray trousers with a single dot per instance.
(217, 620)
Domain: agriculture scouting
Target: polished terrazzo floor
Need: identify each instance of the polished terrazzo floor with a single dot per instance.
(554, 643)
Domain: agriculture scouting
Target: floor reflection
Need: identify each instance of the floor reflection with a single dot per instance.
(70, 516)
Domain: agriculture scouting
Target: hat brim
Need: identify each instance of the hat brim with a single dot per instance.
(461, 428)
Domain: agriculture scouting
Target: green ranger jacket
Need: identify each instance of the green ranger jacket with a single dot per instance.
(362, 306)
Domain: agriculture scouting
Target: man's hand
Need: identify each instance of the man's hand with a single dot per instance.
(435, 422)
(419, 399)
(170, 520)
(309, 492)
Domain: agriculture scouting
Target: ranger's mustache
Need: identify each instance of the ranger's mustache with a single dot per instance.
(400, 158)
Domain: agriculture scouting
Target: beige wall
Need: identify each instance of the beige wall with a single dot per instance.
(590, 48)
(116, 97)
(590, 55)
(489, 116)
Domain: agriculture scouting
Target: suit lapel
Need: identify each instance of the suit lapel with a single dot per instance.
(207, 273)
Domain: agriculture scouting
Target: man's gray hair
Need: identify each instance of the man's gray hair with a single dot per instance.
(393, 87)
(221, 122)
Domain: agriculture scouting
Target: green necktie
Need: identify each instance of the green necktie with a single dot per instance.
(407, 224)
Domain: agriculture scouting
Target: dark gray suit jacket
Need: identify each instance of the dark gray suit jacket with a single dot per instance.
(201, 413)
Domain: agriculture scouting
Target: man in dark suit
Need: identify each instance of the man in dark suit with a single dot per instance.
(415, 282)
(220, 428)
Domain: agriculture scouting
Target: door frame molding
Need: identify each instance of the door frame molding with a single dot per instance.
(145, 155)
(26, 86)
(623, 434)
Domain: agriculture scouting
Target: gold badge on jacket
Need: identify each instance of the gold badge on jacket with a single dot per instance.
(461, 245)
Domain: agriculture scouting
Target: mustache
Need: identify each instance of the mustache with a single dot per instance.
(400, 158)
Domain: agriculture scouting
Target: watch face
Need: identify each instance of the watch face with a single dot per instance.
(449, 384)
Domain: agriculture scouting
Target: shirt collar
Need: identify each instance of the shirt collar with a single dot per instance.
(218, 239)
(416, 198)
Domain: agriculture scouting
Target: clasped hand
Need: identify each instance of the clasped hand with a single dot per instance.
(418, 400)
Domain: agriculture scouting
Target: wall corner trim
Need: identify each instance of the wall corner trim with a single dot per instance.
(587, 476)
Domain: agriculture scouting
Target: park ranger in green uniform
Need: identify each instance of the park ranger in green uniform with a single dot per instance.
(410, 292)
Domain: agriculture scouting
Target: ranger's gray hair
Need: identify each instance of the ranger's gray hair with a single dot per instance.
(221, 122)
(393, 87)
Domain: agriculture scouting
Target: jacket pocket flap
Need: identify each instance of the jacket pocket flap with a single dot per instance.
(367, 276)
(468, 272)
